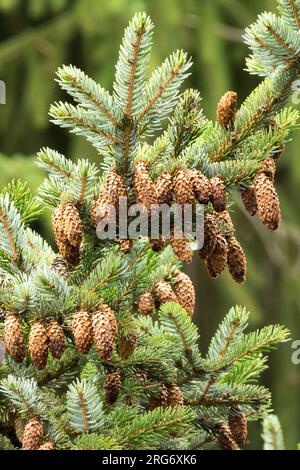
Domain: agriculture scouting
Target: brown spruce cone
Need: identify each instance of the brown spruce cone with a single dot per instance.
(112, 385)
(145, 188)
(127, 345)
(105, 331)
(216, 261)
(164, 188)
(81, 326)
(225, 438)
(38, 345)
(47, 446)
(181, 247)
(73, 228)
(164, 293)
(183, 188)
(56, 339)
(269, 168)
(185, 292)
(100, 209)
(201, 186)
(13, 337)
(238, 427)
(236, 261)
(157, 245)
(175, 396)
(210, 236)
(33, 434)
(125, 246)
(58, 224)
(226, 110)
(162, 399)
(146, 304)
(267, 202)
(69, 252)
(218, 194)
(60, 266)
(19, 425)
(249, 200)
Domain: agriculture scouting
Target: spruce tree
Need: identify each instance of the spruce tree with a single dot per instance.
(99, 348)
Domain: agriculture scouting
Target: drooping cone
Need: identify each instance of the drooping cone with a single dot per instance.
(269, 168)
(105, 331)
(13, 337)
(218, 194)
(47, 446)
(60, 266)
(225, 438)
(183, 188)
(181, 247)
(185, 292)
(249, 200)
(238, 427)
(68, 230)
(81, 326)
(112, 385)
(145, 188)
(216, 261)
(33, 434)
(226, 110)
(164, 292)
(175, 396)
(73, 227)
(164, 188)
(127, 345)
(38, 345)
(146, 304)
(201, 186)
(125, 246)
(58, 224)
(210, 236)
(114, 189)
(162, 399)
(267, 202)
(56, 339)
(236, 260)
(69, 252)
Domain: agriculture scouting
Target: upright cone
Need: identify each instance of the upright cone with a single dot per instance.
(81, 326)
(38, 345)
(33, 434)
(185, 292)
(13, 337)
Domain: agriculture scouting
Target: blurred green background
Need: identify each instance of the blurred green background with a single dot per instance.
(39, 35)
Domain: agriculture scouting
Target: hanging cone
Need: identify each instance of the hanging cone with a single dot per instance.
(56, 339)
(146, 304)
(201, 186)
(249, 200)
(19, 425)
(164, 188)
(217, 260)
(125, 246)
(47, 446)
(127, 345)
(13, 337)
(105, 330)
(69, 252)
(185, 292)
(269, 168)
(226, 110)
(225, 438)
(112, 385)
(238, 427)
(58, 224)
(175, 396)
(73, 228)
(218, 194)
(236, 261)
(33, 434)
(183, 188)
(181, 247)
(144, 187)
(60, 266)
(164, 293)
(81, 327)
(210, 236)
(161, 400)
(38, 345)
(267, 202)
